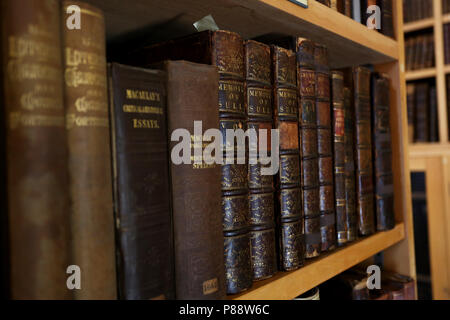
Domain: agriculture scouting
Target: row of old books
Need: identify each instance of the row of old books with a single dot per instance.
(446, 6)
(447, 43)
(414, 10)
(92, 183)
(419, 51)
(360, 11)
(355, 284)
(422, 112)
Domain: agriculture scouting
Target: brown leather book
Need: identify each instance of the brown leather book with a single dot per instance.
(306, 76)
(422, 106)
(363, 152)
(338, 5)
(348, 8)
(225, 50)
(141, 183)
(387, 23)
(434, 126)
(410, 97)
(92, 215)
(382, 152)
(35, 149)
(337, 85)
(323, 120)
(350, 182)
(261, 191)
(196, 188)
(289, 205)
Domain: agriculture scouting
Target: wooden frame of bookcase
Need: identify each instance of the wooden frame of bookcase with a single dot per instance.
(439, 72)
(349, 44)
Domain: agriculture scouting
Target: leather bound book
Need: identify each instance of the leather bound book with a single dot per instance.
(410, 97)
(350, 182)
(434, 127)
(261, 191)
(337, 85)
(382, 151)
(422, 106)
(88, 134)
(289, 205)
(387, 23)
(35, 150)
(348, 8)
(337, 5)
(326, 183)
(225, 50)
(196, 188)
(363, 152)
(141, 183)
(306, 79)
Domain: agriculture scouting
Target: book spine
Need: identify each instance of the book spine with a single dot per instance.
(141, 183)
(36, 150)
(421, 128)
(306, 79)
(289, 204)
(228, 55)
(387, 23)
(434, 132)
(350, 183)
(348, 8)
(357, 10)
(324, 146)
(88, 135)
(261, 191)
(363, 152)
(410, 97)
(384, 187)
(337, 84)
(196, 189)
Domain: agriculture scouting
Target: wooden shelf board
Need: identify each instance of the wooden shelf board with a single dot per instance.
(420, 74)
(446, 18)
(418, 25)
(349, 43)
(429, 149)
(288, 285)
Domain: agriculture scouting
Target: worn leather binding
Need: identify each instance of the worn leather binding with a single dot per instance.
(289, 205)
(141, 183)
(326, 189)
(363, 152)
(35, 149)
(261, 205)
(88, 134)
(225, 50)
(306, 76)
(387, 23)
(350, 182)
(337, 85)
(382, 150)
(196, 188)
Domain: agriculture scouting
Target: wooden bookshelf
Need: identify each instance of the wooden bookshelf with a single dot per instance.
(434, 160)
(288, 285)
(418, 25)
(349, 44)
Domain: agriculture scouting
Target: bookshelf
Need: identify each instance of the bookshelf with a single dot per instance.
(434, 159)
(349, 44)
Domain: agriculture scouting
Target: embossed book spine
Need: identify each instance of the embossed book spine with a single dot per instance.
(326, 184)
(88, 134)
(350, 182)
(363, 152)
(382, 150)
(306, 79)
(197, 221)
(387, 22)
(261, 193)
(289, 198)
(35, 149)
(141, 183)
(337, 84)
(225, 50)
